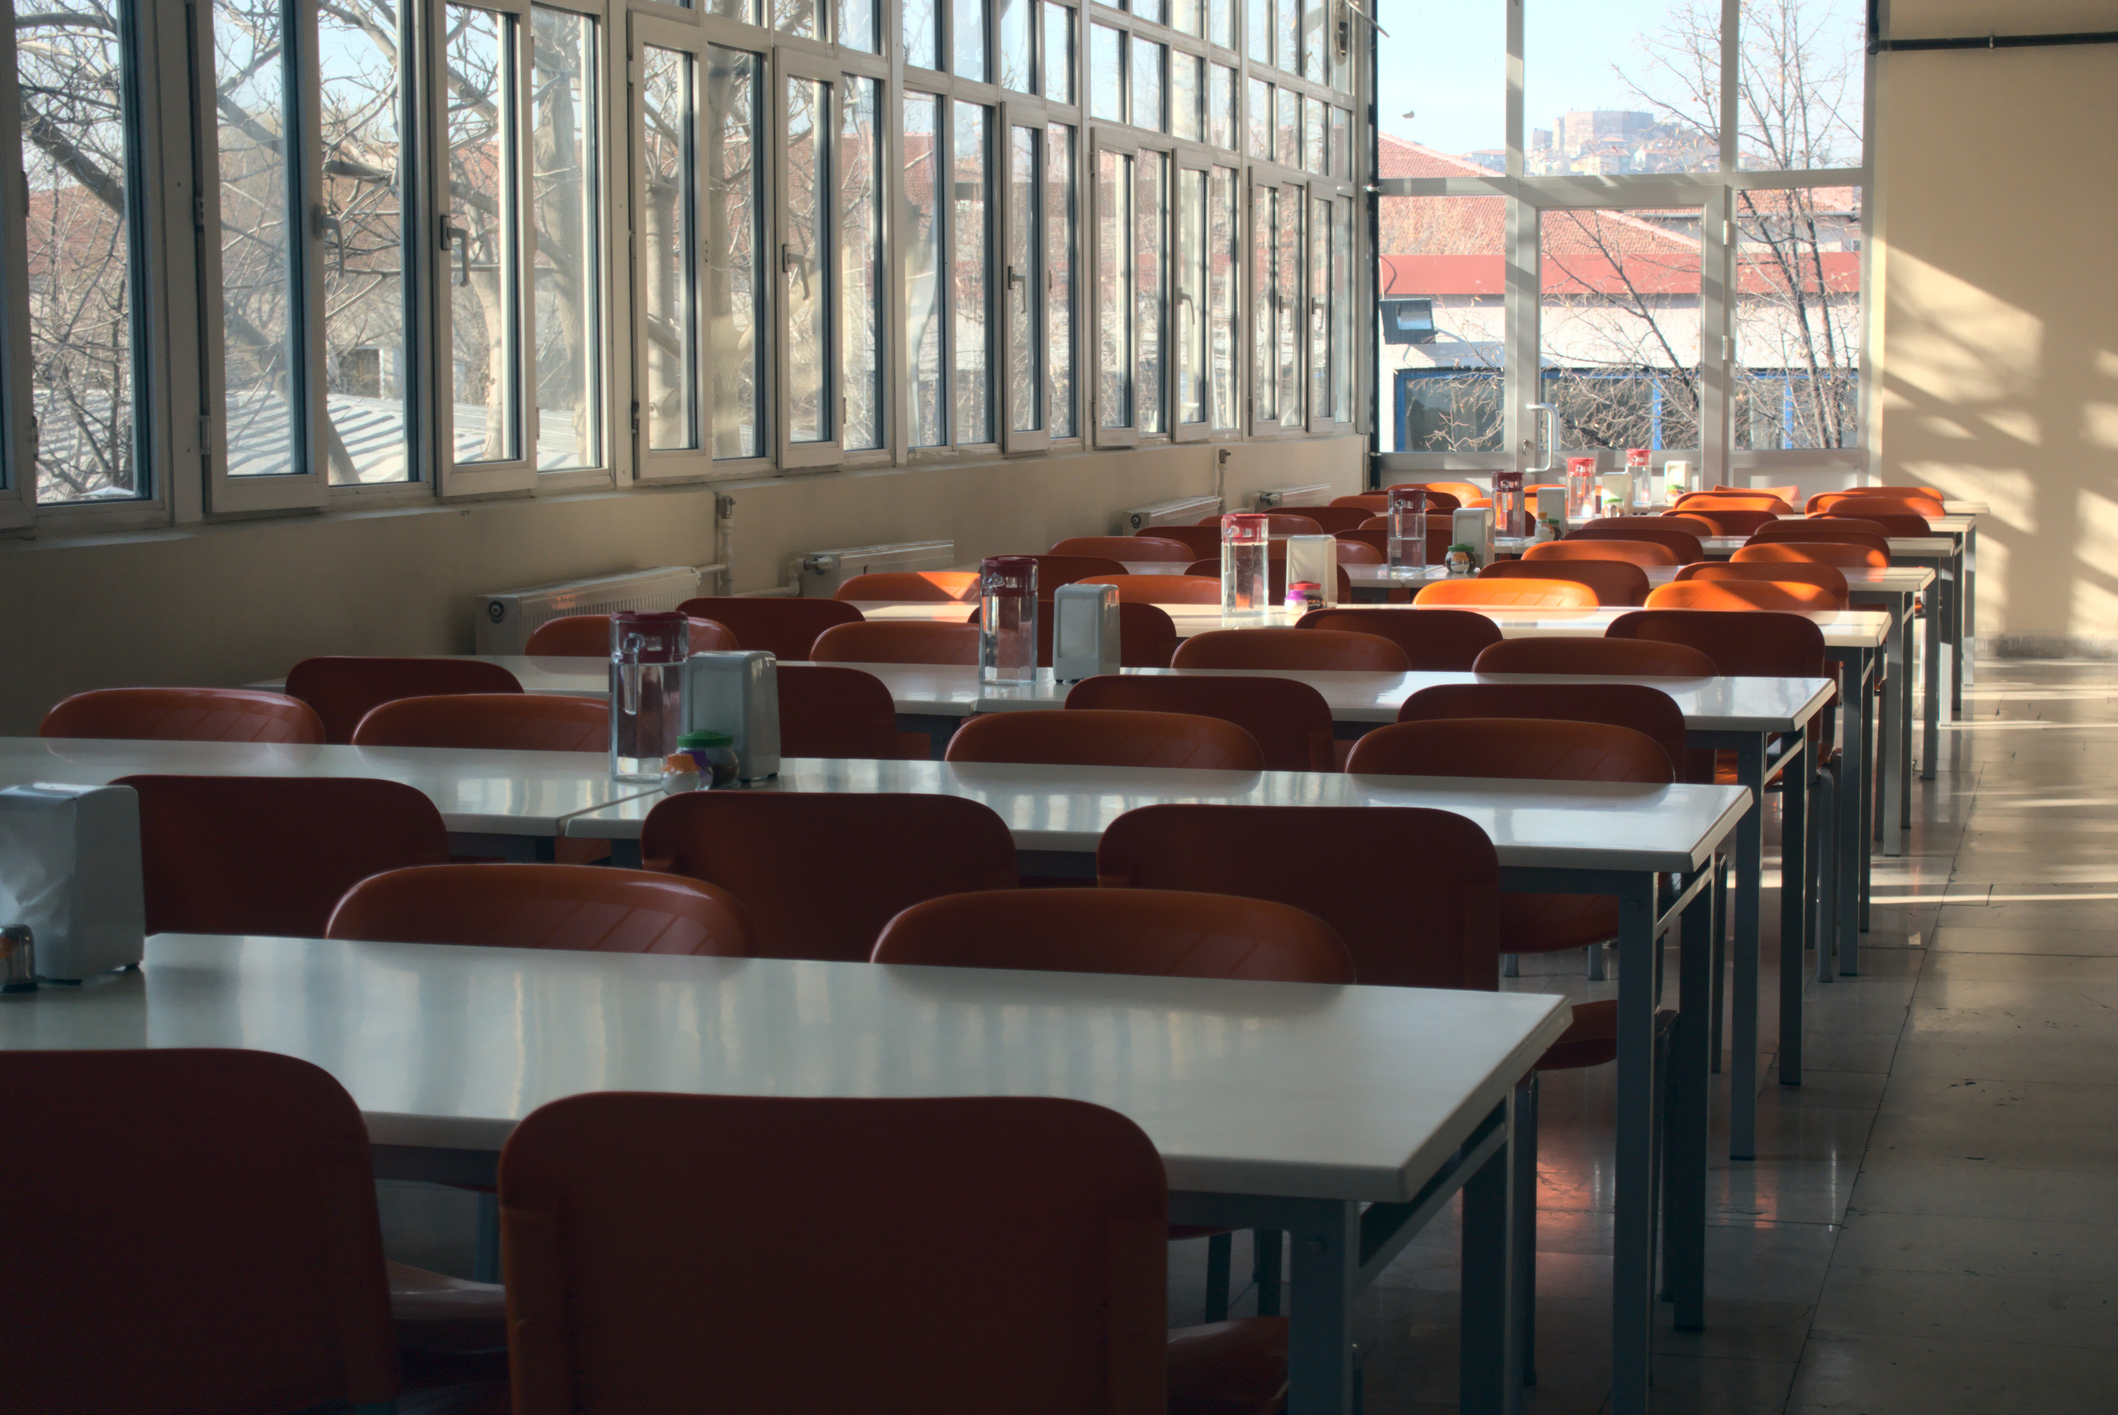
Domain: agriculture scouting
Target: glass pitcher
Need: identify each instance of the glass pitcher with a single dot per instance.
(1007, 621)
(1246, 547)
(1637, 467)
(1581, 496)
(1408, 532)
(1509, 516)
(647, 652)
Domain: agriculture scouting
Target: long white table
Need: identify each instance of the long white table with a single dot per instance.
(1344, 1115)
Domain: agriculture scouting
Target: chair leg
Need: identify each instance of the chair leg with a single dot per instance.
(1525, 1196)
(1718, 964)
(1265, 1246)
(1511, 965)
(485, 1259)
(1595, 962)
(1824, 867)
(1220, 1252)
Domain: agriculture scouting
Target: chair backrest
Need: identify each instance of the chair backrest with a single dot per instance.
(784, 628)
(1290, 720)
(272, 855)
(1728, 500)
(1432, 641)
(912, 586)
(1306, 647)
(520, 722)
(1204, 540)
(584, 908)
(1108, 737)
(821, 873)
(1162, 589)
(1525, 593)
(1897, 500)
(1871, 512)
(1147, 636)
(1792, 495)
(1602, 658)
(1350, 551)
(1414, 893)
(200, 1235)
(1824, 530)
(826, 711)
(662, 1253)
(1789, 596)
(1680, 534)
(1277, 523)
(1842, 554)
(1760, 644)
(1056, 570)
(1648, 711)
(1612, 582)
(1375, 503)
(184, 715)
(588, 636)
(1151, 932)
(1726, 520)
(896, 641)
(1825, 577)
(1330, 518)
(1375, 531)
(1517, 749)
(1124, 548)
(1462, 491)
(343, 688)
(1633, 552)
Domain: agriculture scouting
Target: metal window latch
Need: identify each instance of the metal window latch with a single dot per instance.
(792, 260)
(456, 238)
(325, 221)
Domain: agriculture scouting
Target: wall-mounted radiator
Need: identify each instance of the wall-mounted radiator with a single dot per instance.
(1188, 511)
(1315, 494)
(819, 573)
(506, 620)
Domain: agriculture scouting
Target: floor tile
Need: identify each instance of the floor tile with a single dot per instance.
(1939, 1376)
(2062, 1313)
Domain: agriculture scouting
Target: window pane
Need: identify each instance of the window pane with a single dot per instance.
(1264, 294)
(971, 264)
(969, 39)
(1798, 318)
(734, 250)
(923, 34)
(1313, 135)
(923, 268)
(1341, 148)
(1287, 127)
(1106, 73)
(262, 355)
(1223, 270)
(796, 17)
(1444, 83)
(1061, 223)
(363, 270)
(1025, 283)
(856, 25)
(1149, 10)
(1635, 95)
(1058, 53)
(1809, 115)
(1286, 15)
(1114, 285)
(484, 303)
(1184, 95)
(1190, 304)
(1184, 16)
(1288, 336)
(1439, 275)
(1147, 84)
(745, 11)
(1312, 38)
(1015, 45)
(1150, 276)
(861, 255)
(805, 281)
(1259, 94)
(1258, 31)
(669, 245)
(1221, 107)
(567, 167)
(1220, 22)
(1342, 309)
(1319, 304)
(1620, 318)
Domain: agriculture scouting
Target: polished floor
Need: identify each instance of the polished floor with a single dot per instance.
(1931, 1225)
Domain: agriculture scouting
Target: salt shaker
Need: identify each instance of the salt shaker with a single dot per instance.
(18, 960)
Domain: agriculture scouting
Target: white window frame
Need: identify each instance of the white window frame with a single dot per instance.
(787, 66)
(1024, 294)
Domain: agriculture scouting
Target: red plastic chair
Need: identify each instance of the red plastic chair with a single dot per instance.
(1841, 554)
(1375, 503)
(1147, 636)
(1204, 541)
(1276, 574)
(1757, 645)
(1723, 499)
(1825, 577)
(1351, 550)
(1123, 548)
(343, 688)
(1375, 533)
(1868, 511)
(1524, 593)
(784, 628)
(272, 855)
(1791, 597)
(184, 715)
(516, 722)
(1901, 501)
(1645, 710)
(1679, 534)
(1604, 658)
(1056, 570)
(1161, 589)
(1149, 932)
(1463, 492)
(1290, 720)
(196, 1232)
(1330, 518)
(1277, 523)
(842, 712)
(822, 873)
(1726, 520)
(1823, 530)
(897, 641)
(1020, 1240)
(1612, 582)
(1303, 649)
(1433, 640)
(1082, 737)
(1643, 553)
(573, 907)
(588, 636)
(913, 586)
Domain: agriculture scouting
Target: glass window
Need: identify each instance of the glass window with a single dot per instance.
(1190, 303)
(1258, 31)
(1312, 38)
(1287, 127)
(1439, 268)
(969, 38)
(1185, 16)
(1025, 283)
(795, 17)
(1184, 94)
(1265, 303)
(566, 166)
(805, 260)
(1015, 45)
(1147, 84)
(923, 34)
(1288, 334)
(1058, 53)
(484, 216)
(1106, 73)
(260, 301)
(923, 270)
(1445, 87)
(1798, 318)
(857, 28)
(1342, 309)
(735, 214)
(1150, 290)
(1811, 121)
(1114, 286)
(1220, 22)
(1260, 95)
(1321, 351)
(1286, 16)
(668, 236)
(861, 265)
(1619, 316)
(1341, 150)
(1605, 95)
(970, 263)
(742, 11)
(1061, 223)
(1313, 135)
(1224, 269)
(1221, 107)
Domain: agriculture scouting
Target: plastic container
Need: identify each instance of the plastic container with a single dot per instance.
(1246, 582)
(702, 761)
(1510, 517)
(1637, 467)
(647, 653)
(1408, 533)
(1007, 621)
(1582, 503)
(1303, 596)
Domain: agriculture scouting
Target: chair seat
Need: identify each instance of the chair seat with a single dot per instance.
(1228, 1368)
(434, 1312)
(1590, 1039)
(1548, 923)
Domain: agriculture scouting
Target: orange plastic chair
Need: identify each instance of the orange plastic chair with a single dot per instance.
(1289, 719)
(1351, 550)
(822, 873)
(1433, 641)
(1760, 644)
(1729, 500)
(1643, 553)
(784, 628)
(1841, 554)
(1871, 512)
(1824, 530)
(1648, 711)
(1787, 596)
(827, 711)
(1020, 1239)
(1728, 520)
(1161, 589)
(1525, 593)
(1375, 503)
(588, 636)
(1146, 932)
(1824, 577)
(897, 641)
(343, 688)
(1896, 501)
(1604, 658)
(1375, 532)
(517, 722)
(1123, 548)
(913, 586)
(1462, 491)
(272, 855)
(1204, 540)
(1147, 636)
(1108, 737)
(1303, 649)
(1792, 495)
(574, 907)
(200, 1235)
(184, 715)
(1056, 570)
(1276, 574)
(1612, 582)
(1680, 533)
(1330, 518)
(1277, 523)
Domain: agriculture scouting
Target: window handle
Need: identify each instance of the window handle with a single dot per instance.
(325, 221)
(792, 260)
(456, 238)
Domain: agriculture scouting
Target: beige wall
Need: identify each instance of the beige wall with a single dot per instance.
(233, 603)
(1997, 360)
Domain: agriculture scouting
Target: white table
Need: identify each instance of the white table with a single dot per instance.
(1281, 1106)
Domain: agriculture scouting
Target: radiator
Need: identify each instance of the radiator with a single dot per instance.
(821, 572)
(507, 619)
(1187, 512)
(1316, 494)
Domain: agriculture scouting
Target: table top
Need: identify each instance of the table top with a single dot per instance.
(1972, 509)
(477, 792)
(1897, 579)
(1290, 1089)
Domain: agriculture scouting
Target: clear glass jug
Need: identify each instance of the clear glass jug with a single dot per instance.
(1581, 498)
(647, 653)
(1509, 517)
(1408, 532)
(1007, 621)
(1637, 465)
(1246, 581)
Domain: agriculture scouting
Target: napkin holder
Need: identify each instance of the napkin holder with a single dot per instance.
(70, 871)
(737, 693)
(1473, 526)
(1315, 559)
(1551, 506)
(1084, 632)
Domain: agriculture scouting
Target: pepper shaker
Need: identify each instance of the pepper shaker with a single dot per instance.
(18, 960)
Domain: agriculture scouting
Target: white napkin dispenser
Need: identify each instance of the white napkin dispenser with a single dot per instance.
(739, 694)
(70, 870)
(1315, 559)
(1473, 526)
(1084, 632)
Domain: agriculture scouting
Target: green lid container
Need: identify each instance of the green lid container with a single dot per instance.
(701, 741)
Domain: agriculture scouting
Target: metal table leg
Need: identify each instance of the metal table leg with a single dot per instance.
(1901, 665)
(1890, 826)
(1955, 571)
(1633, 1259)
(1930, 682)
(1874, 746)
(1743, 962)
(1490, 1360)
(1795, 905)
(1970, 629)
(1686, 1122)
(1326, 1268)
(1853, 827)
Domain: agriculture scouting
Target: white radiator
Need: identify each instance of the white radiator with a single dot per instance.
(821, 572)
(1186, 512)
(506, 620)
(1316, 494)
